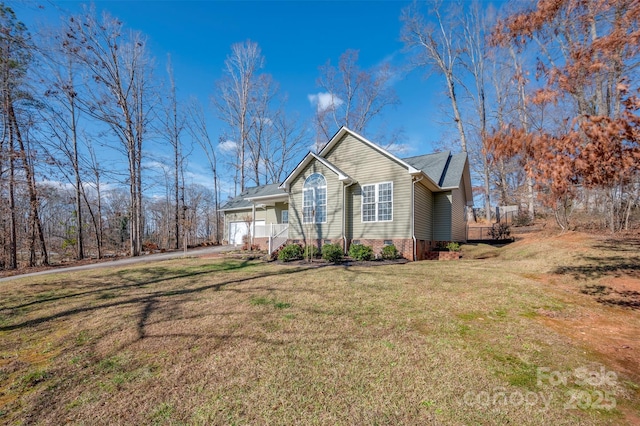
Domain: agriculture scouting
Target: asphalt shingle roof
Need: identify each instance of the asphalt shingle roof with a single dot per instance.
(241, 200)
(443, 168)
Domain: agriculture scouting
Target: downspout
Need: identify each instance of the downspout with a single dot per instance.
(344, 215)
(413, 217)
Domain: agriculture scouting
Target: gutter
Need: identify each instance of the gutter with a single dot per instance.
(413, 217)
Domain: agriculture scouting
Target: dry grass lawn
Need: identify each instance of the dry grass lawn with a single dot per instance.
(225, 341)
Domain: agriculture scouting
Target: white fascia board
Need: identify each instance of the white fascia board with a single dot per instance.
(305, 161)
(301, 165)
(272, 197)
(236, 209)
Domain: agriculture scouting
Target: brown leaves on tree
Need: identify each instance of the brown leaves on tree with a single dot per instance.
(599, 45)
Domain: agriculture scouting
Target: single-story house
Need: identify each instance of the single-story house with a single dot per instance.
(354, 191)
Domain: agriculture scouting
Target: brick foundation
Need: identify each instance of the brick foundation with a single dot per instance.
(425, 250)
(442, 255)
(404, 246)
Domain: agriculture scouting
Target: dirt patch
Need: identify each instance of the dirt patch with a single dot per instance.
(599, 270)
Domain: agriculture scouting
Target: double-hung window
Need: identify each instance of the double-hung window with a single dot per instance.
(377, 202)
(314, 199)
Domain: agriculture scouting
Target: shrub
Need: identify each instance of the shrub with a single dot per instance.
(360, 252)
(390, 252)
(290, 252)
(523, 218)
(332, 253)
(500, 231)
(311, 251)
(453, 246)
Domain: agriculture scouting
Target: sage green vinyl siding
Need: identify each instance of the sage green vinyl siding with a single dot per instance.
(332, 229)
(442, 216)
(369, 166)
(423, 212)
(458, 221)
(277, 212)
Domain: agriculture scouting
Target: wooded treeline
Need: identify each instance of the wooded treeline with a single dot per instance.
(86, 98)
(544, 97)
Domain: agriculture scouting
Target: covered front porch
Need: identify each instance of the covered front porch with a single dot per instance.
(272, 232)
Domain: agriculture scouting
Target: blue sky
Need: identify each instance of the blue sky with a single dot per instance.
(296, 38)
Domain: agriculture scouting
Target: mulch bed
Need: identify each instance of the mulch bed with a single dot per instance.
(346, 262)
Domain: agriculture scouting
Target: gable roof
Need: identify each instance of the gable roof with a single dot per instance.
(342, 176)
(243, 201)
(343, 131)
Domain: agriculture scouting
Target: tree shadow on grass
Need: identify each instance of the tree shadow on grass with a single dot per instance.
(150, 276)
(629, 245)
(598, 267)
(146, 300)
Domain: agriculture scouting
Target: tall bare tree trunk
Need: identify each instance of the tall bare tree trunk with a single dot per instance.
(36, 224)
(13, 238)
(524, 122)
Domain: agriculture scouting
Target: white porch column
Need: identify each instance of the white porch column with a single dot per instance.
(253, 223)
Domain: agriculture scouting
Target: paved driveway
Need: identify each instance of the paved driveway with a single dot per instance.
(128, 261)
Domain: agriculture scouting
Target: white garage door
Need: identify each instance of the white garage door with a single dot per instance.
(237, 231)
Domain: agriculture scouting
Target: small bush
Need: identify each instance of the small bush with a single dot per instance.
(523, 218)
(290, 252)
(332, 253)
(360, 252)
(500, 231)
(453, 246)
(311, 251)
(390, 252)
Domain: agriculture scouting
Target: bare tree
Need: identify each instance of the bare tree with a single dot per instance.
(173, 127)
(262, 128)
(284, 147)
(15, 55)
(120, 68)
(475, 29)
(437, 46)
(353, 97)
(199, 131)
(234, 96)
(62, 115)
(96, 215)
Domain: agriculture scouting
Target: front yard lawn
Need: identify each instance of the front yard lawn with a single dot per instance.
(224, 341)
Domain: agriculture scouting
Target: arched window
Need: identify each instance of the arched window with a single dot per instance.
(314, 199)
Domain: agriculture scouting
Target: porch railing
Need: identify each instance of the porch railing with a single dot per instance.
(278, 239)
(263, 231)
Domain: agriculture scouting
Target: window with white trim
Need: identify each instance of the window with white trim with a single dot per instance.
(284, 216)
(377, 202)
(314, 199)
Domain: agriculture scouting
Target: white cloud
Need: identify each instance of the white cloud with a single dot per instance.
(227, 146)
(324, 101)
(57, 184)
